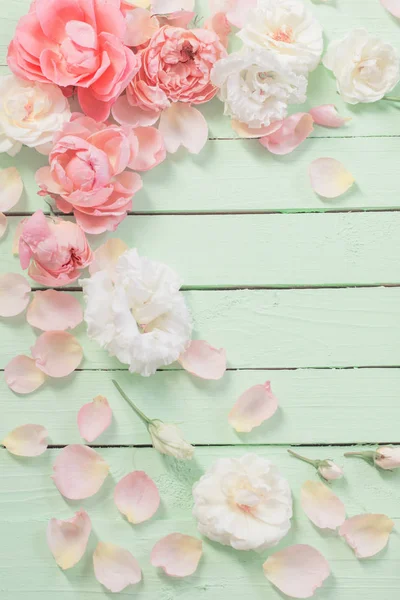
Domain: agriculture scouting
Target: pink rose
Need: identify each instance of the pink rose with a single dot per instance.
(54, 250)
(75, 43)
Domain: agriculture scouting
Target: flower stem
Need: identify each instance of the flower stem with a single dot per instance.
(367, 455)
(392, 98)
(129, 401)
(314, 463)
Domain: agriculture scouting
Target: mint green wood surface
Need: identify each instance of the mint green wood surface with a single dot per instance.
(331, 352)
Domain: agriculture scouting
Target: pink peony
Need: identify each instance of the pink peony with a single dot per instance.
(75, 43)
(54, 250)
(87, 172)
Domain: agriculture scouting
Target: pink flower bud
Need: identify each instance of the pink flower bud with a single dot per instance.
(330, 470)
(388, 457)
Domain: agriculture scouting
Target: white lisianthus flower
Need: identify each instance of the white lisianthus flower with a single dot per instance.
(167, 439)
(30, 114)
(256, 87)
(365, 67)
(244, 503)
(287, 28)
(139, 315)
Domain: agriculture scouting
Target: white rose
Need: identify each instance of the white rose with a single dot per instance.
(139, 316)
(256, 87)
(287, 28)
(365, 67)
(243, 502)
(30, 114)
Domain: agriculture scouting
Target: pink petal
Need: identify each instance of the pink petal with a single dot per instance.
(245, 131)
(14, 294)
(221, 26)
(367, 534)
(322, 506)
(297, 571)
(136, 496)
(134, 116)
(236, 10)
(151, 149)
(293, 131)
(165, 7)
(79, 472)
(183, 125)
(68, 539)
(54, 311)
(23, 376)
(115, 567)
(57, 353)
(326, 115)
(11, 188)
(329, 178)
(27, 440)
(3, 224)
(106, 257)
(203, 360)
(140, 26)
(94, 418)
(393, 6)
(253, 407)
(178, 555)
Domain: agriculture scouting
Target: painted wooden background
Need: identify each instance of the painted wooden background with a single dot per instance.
(300, 291)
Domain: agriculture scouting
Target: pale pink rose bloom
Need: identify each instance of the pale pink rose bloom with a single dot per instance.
(54, 250)
(75, 43)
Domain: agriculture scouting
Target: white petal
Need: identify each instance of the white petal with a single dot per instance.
(11, 188)
(183, 125)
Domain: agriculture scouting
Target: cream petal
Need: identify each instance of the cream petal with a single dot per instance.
(203, 360)
(54, 311)
(79, 472)
(94, 418)
(57, 353)
(27, 440)
(165, 7)
(297, 571)
(244, 131)
(292, 132)
(326, 115)
(106, 257)
(3, 224)
(178, 555)
(11, 188)
(68, 539)
(393, 6)
(367, 534)
(322, 506)
(255, 406)
(136, 496)
(329, 178)
(23, 376)
(183, 125)
(115, 567)
(14, 294)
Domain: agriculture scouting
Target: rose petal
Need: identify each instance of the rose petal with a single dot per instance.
(203, 360)
(27, 440)
(322, 506)
(134, 116)
(236, 10)
(57, 353)
(151, 149)
(245, 131)
(165, 7)
(326, 115)
(140, 26)
(23, 376)
(292, 132)
(115, 567)
(329, 178)
(106, 257)
(255, 406)
(79, 472)
(3, 224)
(94, 418)
(68, 539)
(393, 6)
(367, 534)
(183, 125)
(11, 188)
(297, 571)
(136, 496)
(178, 555)
(54, 311)
(14, 294)
(221, 26)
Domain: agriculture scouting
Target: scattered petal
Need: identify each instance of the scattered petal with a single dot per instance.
(203, 360)
(27, 440)
(329, 178)
(178, 555)
(68, 539)
(152, 150)
(3, 224)
(11, 188)
(23, 376)
(54, 311)
(322, 506)
(136, 496)
(165, 7)
(94, 418)
(236, 10)
(115, 567)
(106, 257)
(183, 125)
(244, 131)
(133, 116)
(326, 115)
(255, 406)
(79, 472)
(140, 26)
(57, 353)
(221, 26)
(393, 6)
(14, 294)
(367, 534)
(297, 571)
(17, 235)
(292, 132)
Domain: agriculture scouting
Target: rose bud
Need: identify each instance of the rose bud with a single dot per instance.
(326, 468)
(384, 457)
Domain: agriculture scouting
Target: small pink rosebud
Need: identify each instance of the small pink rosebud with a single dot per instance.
(388, 457)
(330, 470)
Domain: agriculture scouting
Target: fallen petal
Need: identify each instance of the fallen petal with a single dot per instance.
(393, 6)
(57, 353)
(115, 567)
(178, 555)
(221, 26)
(292, 132)
(106, 257)
(367, 534)
(54, 311)
(203, 360)
(11, 188)
(134, 116)
(164, 7)
(79, 472)
(297, 571)
(255, 406)
(136, 496)
(326, 115)
(183, 125)
(94, 418)
(3, 224)
(140, 26)
(14, 294)
(23, 376)
(152, 150)
(322, 506)
(68, 539)
(329, 178)
(236, 10)
(244, 131)
(27, 440)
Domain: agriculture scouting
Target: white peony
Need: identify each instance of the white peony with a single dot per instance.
(287, 28)
(243, 502)
(256, 87)
(139, 316)
(365, 67)
(30, 114)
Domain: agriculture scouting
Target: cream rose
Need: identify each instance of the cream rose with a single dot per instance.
(365, 67)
